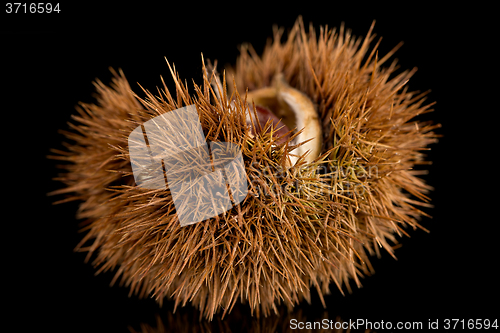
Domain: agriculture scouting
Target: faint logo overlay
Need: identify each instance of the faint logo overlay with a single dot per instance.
(311, 181)
(170, 151)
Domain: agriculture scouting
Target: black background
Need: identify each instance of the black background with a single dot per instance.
(50, 60)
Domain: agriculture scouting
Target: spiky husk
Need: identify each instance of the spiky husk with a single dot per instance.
(299, 228)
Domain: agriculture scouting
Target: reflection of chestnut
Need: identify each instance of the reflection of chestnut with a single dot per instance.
(187, 321)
